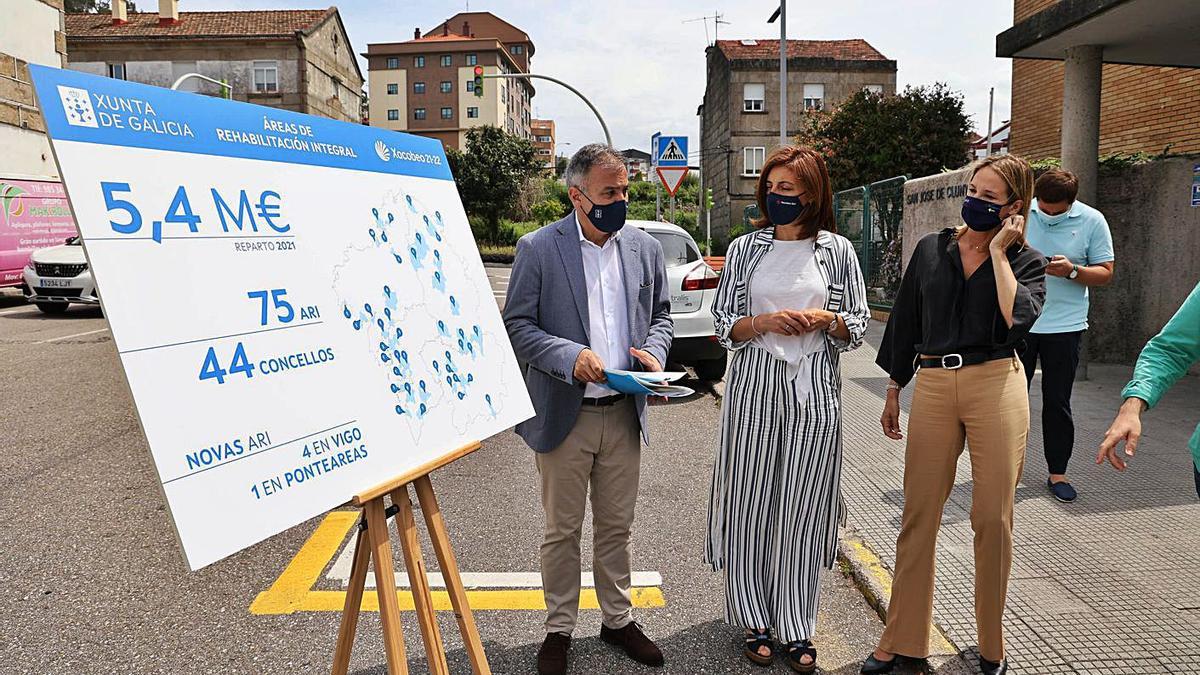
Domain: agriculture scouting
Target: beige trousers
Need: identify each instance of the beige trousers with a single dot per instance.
(987, 406)
(603, 450)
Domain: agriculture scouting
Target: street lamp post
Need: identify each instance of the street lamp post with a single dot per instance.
(226, 90)
(531, 76)
(781, 14)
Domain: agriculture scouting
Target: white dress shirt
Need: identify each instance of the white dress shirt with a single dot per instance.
(608, 313)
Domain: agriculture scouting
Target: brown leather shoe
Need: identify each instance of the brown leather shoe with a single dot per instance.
(635, 643)
(552, 657)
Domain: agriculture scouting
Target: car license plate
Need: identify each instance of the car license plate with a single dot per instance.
(56, 283)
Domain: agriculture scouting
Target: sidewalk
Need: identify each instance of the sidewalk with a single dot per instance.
(1109, 584)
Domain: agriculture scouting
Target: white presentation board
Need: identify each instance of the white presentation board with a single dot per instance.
(298, 303)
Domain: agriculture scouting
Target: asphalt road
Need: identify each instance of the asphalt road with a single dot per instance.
(92, 581)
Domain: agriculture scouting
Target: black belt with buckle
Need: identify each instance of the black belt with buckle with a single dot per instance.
(956, 361)
(605, 400)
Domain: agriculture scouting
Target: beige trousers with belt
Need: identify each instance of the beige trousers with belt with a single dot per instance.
(603, 450)
(987, 406)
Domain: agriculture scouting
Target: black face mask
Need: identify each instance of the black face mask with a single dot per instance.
(607, 218)
(981, 215)
(784, 209)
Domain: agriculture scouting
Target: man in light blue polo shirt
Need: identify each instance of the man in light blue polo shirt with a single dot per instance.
(1078, 246)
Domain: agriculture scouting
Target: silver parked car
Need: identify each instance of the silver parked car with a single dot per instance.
(693, 287)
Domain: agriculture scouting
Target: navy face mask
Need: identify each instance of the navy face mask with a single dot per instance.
(981, 215)
(783, 209)
(607, 218)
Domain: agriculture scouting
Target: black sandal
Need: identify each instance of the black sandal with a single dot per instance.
(756, 640)
(798, 650)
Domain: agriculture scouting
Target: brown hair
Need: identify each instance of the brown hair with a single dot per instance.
(1056, 186)
(1017, 176)
(811, 172)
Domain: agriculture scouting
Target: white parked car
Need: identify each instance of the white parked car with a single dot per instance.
(693, 287)
(58, 276)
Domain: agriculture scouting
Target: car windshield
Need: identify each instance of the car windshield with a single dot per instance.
(677, 249)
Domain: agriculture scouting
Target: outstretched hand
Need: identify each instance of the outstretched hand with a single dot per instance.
(648, 361)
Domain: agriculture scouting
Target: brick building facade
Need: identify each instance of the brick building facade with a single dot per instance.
(32, 32)
(1142, 108)
(426, 85)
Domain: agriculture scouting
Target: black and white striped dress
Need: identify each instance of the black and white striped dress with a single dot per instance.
(776, 503)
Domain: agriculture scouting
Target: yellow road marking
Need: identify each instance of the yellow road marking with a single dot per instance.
(294, 590)
(873, 566)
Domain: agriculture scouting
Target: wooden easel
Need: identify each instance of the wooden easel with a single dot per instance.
(373, 540)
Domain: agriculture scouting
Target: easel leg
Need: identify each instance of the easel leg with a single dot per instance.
(358, 579)
(445, 556)
(419, 582)
(385, 587)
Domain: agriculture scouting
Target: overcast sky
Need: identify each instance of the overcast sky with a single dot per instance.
(643, 67)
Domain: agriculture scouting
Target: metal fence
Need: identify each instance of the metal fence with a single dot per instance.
(870, 216)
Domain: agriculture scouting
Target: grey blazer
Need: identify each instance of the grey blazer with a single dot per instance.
(546, 314)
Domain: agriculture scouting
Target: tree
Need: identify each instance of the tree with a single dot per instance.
(871, 137)
(92, 6)
(491, 174)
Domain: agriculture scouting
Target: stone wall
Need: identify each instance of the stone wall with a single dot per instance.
(1156, 236)
(31, 32)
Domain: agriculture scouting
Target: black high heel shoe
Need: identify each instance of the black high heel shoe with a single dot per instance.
(993, 668)
(873, 666)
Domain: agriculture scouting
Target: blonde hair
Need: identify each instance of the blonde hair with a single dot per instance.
(1017, 176)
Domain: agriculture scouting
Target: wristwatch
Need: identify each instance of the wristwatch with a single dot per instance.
(1074, 272)
(832, 325)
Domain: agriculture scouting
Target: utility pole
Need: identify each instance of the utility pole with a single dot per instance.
(781, 14)
(991, 103)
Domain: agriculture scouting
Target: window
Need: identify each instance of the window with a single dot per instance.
(752, 161)
(447, 86)
(517, 49)
(418, 113)
(393, 62)
(752, 97)
(418, 62)
(814, 96)
(473, 112)
(418, 87)
(393, 89)
(447, 60)
(266, 76)
(472, 59)
(470, 85)
(504, 94)
(447, 113)
(336, 84)
(677, 249)
(393, 114)
(874, 88)
(545, 139)
(117, 71)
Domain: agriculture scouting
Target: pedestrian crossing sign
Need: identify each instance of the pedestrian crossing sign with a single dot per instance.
(671, 151)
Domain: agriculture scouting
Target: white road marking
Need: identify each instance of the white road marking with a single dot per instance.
(340, 572)
(68, 337)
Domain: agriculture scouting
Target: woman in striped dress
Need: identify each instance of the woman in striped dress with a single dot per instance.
(790, 300)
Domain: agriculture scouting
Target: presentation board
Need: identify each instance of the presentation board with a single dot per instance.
(298, 303)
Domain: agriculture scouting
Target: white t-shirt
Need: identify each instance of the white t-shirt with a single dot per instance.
(788, 278)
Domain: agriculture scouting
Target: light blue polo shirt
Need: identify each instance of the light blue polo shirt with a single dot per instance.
(1084, 238)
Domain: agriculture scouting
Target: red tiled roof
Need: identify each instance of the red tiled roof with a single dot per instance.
(838, 50)
(264, 23)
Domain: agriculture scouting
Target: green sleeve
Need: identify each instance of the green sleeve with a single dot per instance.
(1168, 355)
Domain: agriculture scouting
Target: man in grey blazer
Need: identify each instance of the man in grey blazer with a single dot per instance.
(587, 294)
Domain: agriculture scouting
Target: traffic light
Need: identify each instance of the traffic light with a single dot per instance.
(479, 81)
(708, 199)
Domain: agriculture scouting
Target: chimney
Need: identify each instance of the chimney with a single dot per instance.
(120, 13)
(416, 33)
(445, 29)
(168, 12)
(466, 28)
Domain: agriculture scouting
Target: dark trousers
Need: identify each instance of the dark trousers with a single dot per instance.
(1059, 354)
(1197, 470)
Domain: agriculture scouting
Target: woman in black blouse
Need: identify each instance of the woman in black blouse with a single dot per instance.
(967, 299)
